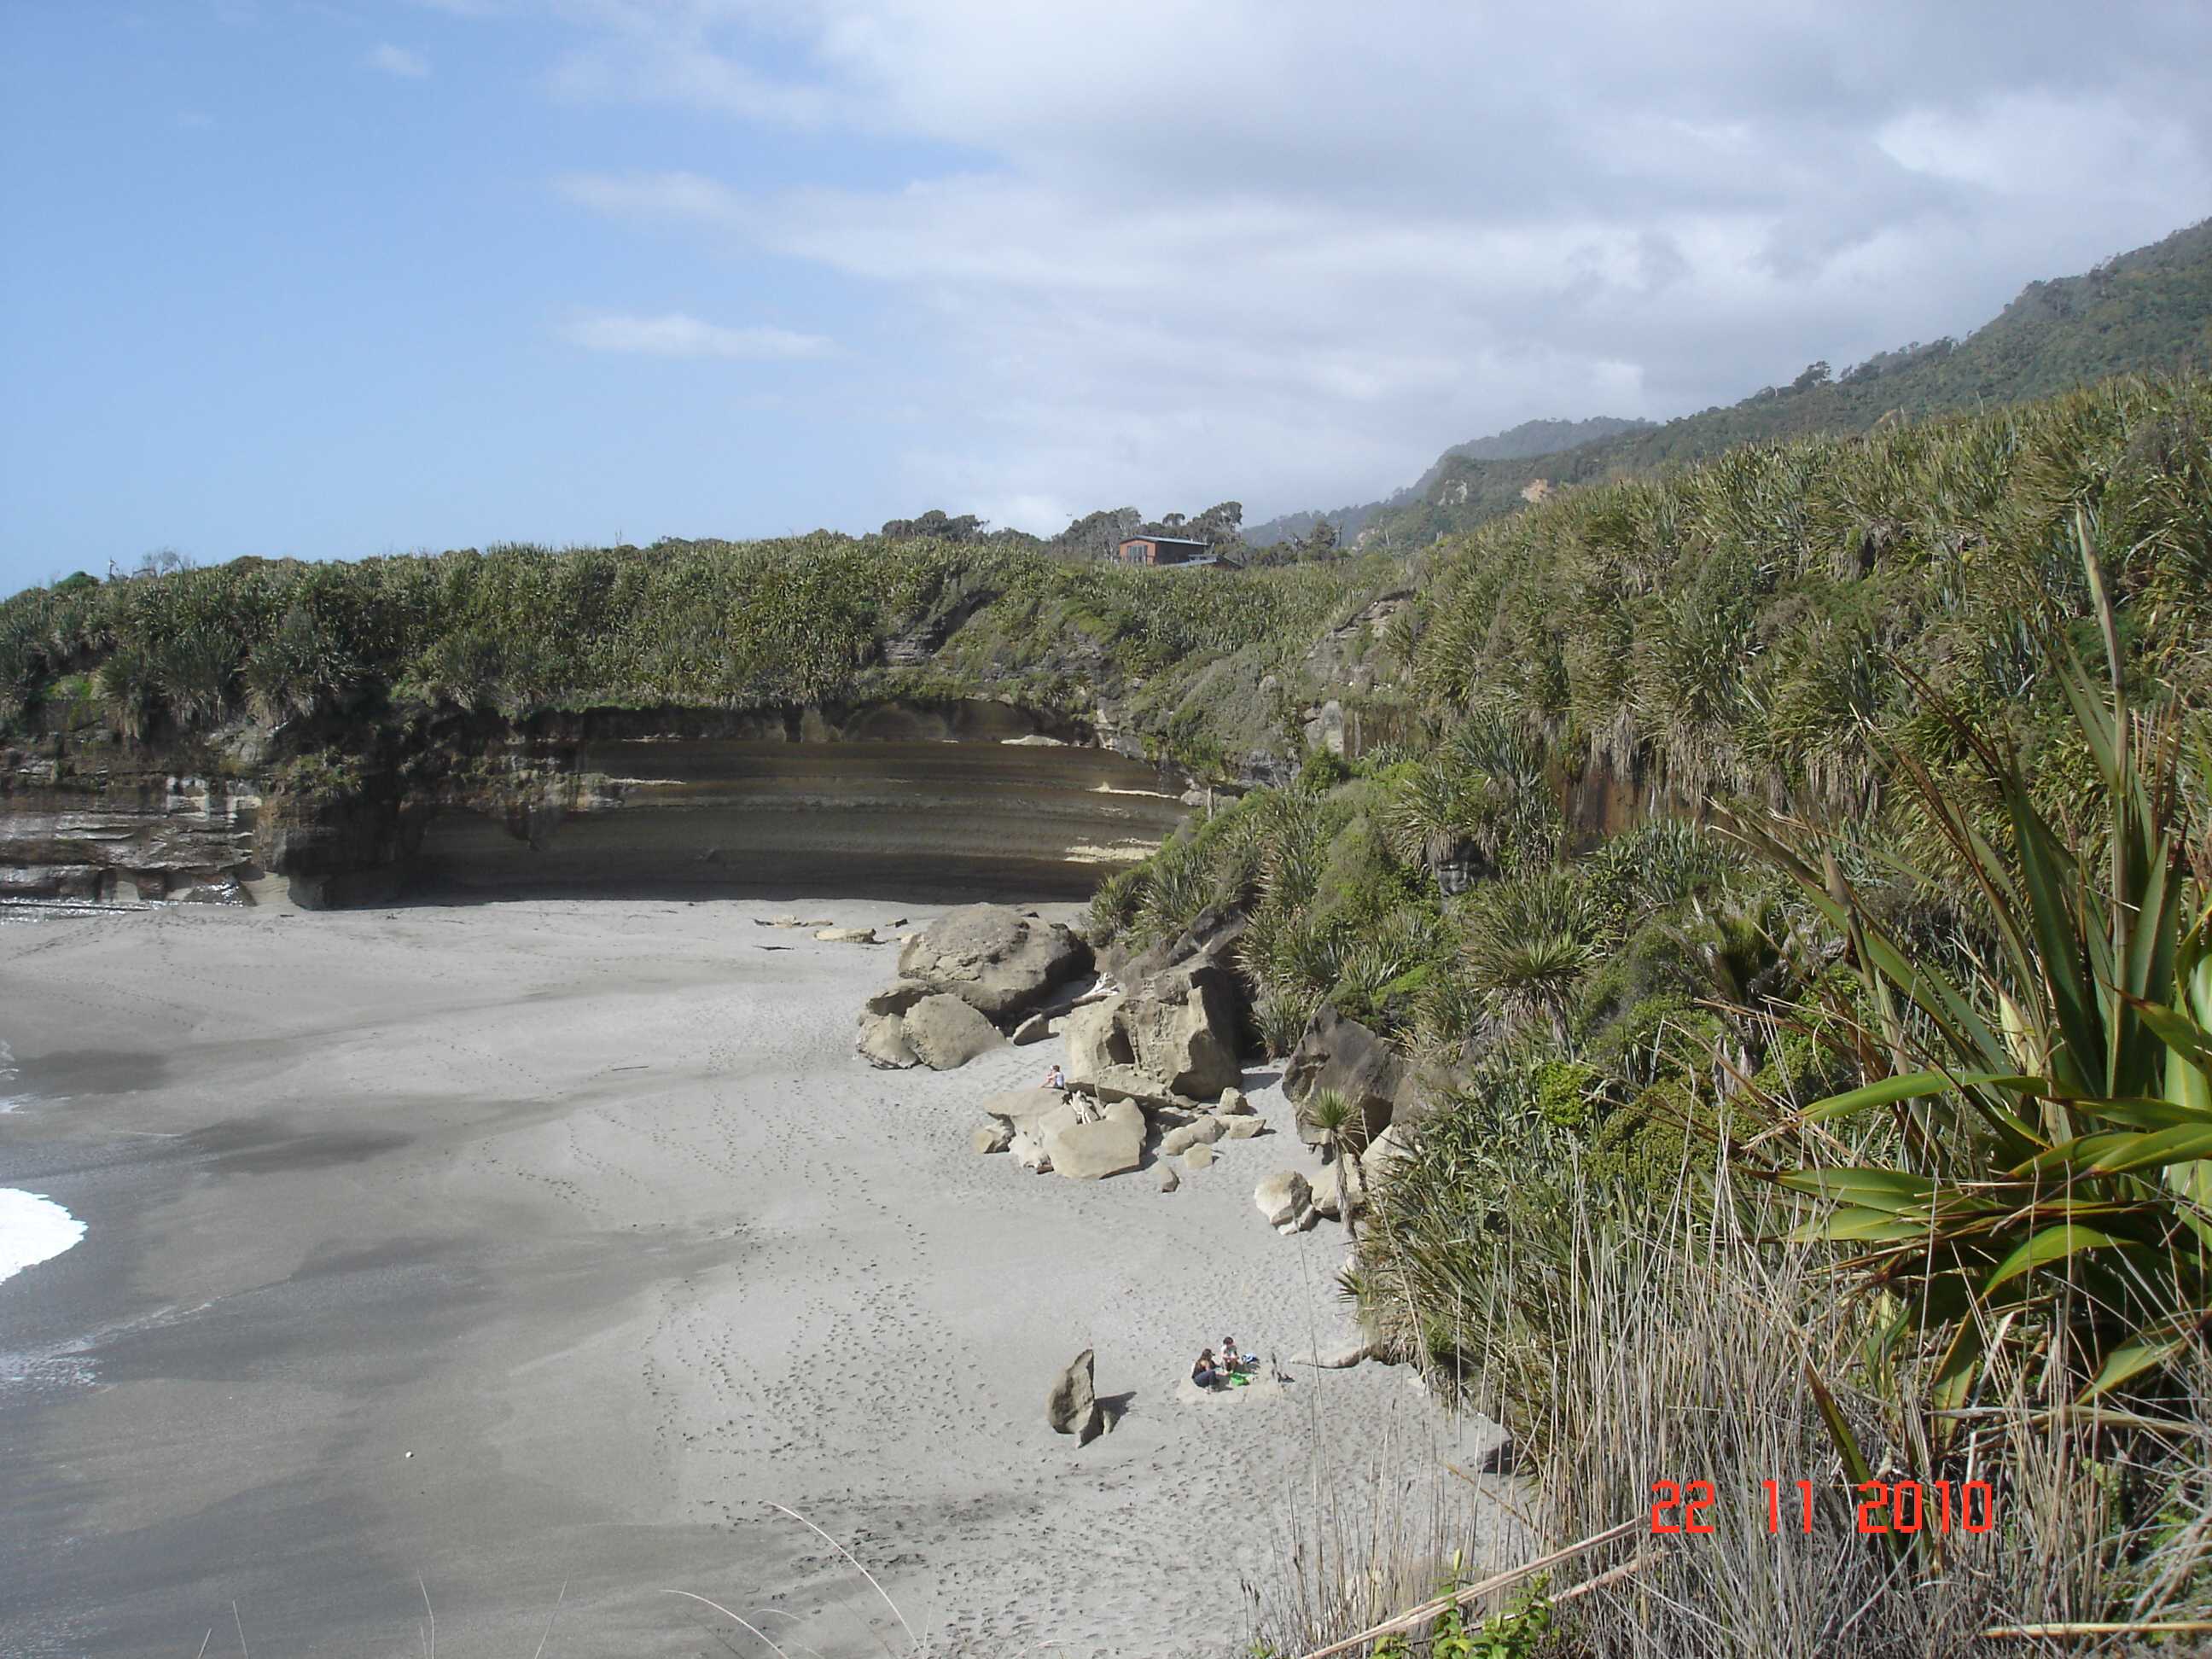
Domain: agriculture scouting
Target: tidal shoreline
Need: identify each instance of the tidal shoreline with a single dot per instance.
(589, 1205)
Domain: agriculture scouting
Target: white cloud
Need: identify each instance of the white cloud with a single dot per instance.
(672, 334)
(397, 60)
(1289, 250)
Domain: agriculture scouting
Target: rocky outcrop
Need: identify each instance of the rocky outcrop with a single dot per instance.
(1072, 1406)
(997, 963)
(904, 796)
(1000, 962)
(945, 1033)
(1340, 1054)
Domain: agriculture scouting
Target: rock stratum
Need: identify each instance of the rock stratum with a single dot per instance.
(970, 797)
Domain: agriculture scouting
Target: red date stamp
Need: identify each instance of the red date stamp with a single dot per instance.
(1883, 1506)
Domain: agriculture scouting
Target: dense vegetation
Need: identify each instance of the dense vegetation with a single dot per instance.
(519, 630)
(1777, 781)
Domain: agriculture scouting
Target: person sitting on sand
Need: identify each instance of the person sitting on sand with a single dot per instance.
(1056, 1079)
(1231, 1360)
(1204, 1373)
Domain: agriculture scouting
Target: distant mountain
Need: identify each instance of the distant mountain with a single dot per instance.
(2141, 311)
(1515, 443)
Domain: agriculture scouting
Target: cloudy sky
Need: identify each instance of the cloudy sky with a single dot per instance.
(337, 277)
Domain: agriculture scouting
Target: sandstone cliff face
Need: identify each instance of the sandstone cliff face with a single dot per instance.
(966, 796)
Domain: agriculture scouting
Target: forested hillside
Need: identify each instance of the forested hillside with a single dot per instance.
(1811, 844)
(2149, 310)
(1515, 443)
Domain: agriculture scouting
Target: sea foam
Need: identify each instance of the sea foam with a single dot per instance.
(33, 1229)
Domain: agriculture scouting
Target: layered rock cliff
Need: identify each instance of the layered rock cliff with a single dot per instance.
(962, 796)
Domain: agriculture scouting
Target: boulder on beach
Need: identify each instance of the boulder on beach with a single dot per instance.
(1107, 1145)
(882, 1043)
(896, 998)
(1183, 1025)
(1020, 1106)
(1201, 1131)
(1200, 1157)
(1286, 1201)
(1241, 1128)
(1035, 1029)
(1233, 1102)
(1173, 1037)
(1169, 1179)
(1340, 1054)
(994, 1137)
(945, 1032)
(1071, 1407)
(1338, 1186)
(846, 935)
(999, 961)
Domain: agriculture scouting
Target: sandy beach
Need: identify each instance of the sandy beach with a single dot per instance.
(526, 1255)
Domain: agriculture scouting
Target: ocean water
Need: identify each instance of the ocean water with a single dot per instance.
(33, 1229)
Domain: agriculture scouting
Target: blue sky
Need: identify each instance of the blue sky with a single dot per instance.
(354, 276)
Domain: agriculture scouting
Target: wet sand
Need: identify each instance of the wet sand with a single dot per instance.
(527, 1255)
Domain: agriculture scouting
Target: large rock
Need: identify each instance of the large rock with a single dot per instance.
(882, 1042)
(896, 998)
(1204, 1131)
(999, 961)
(1208, 938)
(1112, 1143)
(1241, 1128)
(1017, 1107)
(992, 1137)
(1182, 1024)
(1071, 1407)
(945, 1032)
(1336, 1185)
(1282, 1197)
(1095, 1040)
(1340, 1054)
(1392, 1147)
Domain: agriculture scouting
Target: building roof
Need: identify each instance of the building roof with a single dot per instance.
(1172, 541)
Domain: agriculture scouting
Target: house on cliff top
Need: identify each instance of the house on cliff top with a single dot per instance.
(1164, 550)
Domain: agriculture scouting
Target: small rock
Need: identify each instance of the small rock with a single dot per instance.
(1035, 1029)
(993, 1138)
(1241, 1128)
(1282, 1196)
(1072, 1408)
(1169, 1179)
(846, 935)
(1233, 1102)
(1204, 1131)
(1199, 1156)
(1027, 1149)
(883, 1043)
